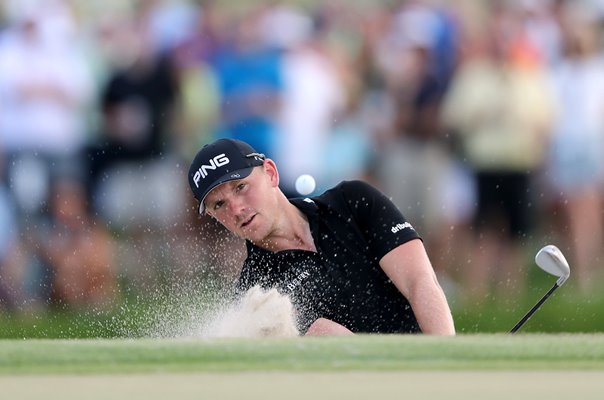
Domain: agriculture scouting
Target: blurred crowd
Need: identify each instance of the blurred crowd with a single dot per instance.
(483, 121)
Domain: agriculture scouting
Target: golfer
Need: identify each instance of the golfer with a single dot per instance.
(348, 259)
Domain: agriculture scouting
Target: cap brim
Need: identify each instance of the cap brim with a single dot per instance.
(231, 176)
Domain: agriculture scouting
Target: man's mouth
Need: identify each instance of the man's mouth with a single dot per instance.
(248, 221)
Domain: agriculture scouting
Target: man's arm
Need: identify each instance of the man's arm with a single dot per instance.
(409, 268)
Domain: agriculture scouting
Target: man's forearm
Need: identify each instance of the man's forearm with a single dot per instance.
(409, 268)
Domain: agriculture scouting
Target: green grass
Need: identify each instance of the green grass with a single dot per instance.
(136, 316)
(359, 353)
(566, 311)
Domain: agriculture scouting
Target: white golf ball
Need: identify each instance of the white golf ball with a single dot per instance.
(305, 184)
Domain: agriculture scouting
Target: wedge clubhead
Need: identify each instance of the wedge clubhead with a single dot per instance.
(551, 260)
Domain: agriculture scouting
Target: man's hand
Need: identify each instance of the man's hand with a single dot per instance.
(326, 327)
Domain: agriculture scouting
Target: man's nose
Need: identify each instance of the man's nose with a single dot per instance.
(236, 207)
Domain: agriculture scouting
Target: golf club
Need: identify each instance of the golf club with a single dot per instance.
(551, 260)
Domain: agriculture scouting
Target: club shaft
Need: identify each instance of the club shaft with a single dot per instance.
(535, 308)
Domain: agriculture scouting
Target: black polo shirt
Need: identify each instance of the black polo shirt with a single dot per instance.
(353, 226)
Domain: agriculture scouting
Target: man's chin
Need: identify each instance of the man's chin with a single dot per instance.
(251, 235)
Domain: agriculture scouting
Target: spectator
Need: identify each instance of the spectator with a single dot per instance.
(12, 268)
(313, 95)
(78, 251)
(137, 104)
(44, 96)
(416, 88)
(575, 172)
(500, 106)
(199, 94)
(45, 93)
(250, 82)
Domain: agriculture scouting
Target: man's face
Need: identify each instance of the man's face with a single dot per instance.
(246, 206)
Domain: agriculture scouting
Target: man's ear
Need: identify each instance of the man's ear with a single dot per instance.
(270, 169)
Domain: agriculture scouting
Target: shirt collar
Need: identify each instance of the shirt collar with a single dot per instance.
(306, 205)
(308, 208)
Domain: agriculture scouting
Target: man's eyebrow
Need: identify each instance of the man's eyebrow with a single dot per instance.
(231, 184)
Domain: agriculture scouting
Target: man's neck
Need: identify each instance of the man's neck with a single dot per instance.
(292, 231)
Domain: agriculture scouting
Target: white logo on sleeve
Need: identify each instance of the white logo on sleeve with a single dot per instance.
(400, 227)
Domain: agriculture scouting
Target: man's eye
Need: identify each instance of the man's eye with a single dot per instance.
(218, 204)
(240, 187)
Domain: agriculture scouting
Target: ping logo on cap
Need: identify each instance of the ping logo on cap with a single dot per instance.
(218, 161)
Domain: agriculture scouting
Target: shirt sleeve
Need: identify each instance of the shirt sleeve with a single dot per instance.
(383, 226)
